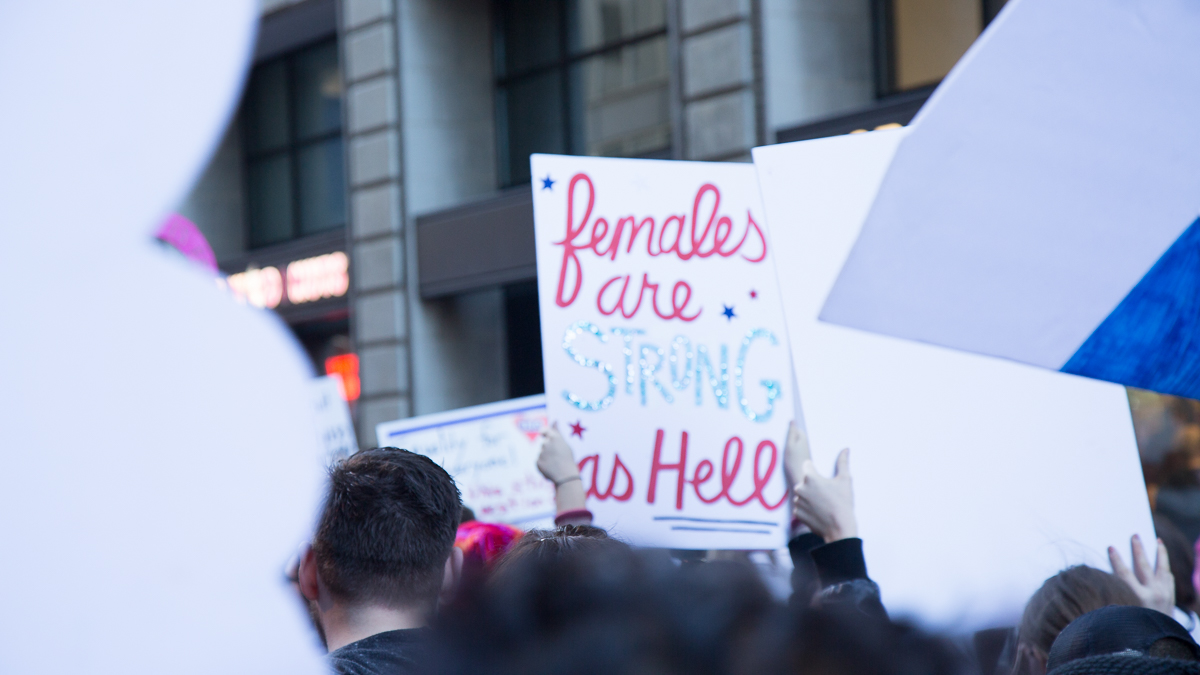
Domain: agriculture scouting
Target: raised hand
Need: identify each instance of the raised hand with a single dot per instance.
(826, 505)
(795, 453)
(1155, 587)
(556, 462)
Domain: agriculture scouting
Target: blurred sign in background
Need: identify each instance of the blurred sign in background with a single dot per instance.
(491, 451)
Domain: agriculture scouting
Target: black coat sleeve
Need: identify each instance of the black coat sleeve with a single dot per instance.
(833, 574)
(805, 583)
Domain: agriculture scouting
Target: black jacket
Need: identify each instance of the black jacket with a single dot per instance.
(393, 652)
(833, 574)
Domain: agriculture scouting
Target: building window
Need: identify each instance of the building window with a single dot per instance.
(523, 328)
(585, 77)
(919, 41)
(292, 121)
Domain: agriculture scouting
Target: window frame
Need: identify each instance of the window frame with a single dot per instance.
(293, 147)
(884, 44)
(563, 64)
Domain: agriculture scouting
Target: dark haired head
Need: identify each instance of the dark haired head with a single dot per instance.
(1123, 630)
(1128, 664)
(552, 545)
(387, 528)
(844, 640)
(582, 605)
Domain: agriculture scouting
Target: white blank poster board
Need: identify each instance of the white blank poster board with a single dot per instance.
(975, 478)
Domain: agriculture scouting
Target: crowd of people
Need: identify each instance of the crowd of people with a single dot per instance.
(401, 578)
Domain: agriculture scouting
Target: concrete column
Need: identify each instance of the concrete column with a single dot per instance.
(720, 78)
(379, 326)
(818, 59)
(449, 154)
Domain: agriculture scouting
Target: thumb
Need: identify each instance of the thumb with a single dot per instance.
(842, 467)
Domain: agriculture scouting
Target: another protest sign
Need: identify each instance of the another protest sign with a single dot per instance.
(665, 357)
(335, 429)
(975, 479)
(1042, 209)
(491, 451)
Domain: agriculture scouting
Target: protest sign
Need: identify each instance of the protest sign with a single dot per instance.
(335, 429)
(662, 337)
(975, 478)
(1042, 209)
(491, 451)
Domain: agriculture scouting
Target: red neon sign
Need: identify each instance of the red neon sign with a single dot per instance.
(345, 366)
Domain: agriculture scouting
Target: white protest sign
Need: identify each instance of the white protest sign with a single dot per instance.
(491, 451)
(664, 349)
(975, 479)
(335, 429)
(1042, 209)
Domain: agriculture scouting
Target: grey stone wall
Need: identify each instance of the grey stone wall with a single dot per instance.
(818, 60)
(379, 327)
(449, 155)
(420, 137)
(216, 203)
(719, 76)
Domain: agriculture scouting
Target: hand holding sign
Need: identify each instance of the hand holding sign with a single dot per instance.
(1155, 587)
(555, 461)
(826, 505)
(795, 453)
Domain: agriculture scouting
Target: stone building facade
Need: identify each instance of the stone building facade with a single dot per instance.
(392, 131)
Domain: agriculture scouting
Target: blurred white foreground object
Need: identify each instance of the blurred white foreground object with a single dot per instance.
(1044, 208)
(158, 460)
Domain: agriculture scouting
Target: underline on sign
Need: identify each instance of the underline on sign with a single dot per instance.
(718, 520)
(401, 432)
(719, 529)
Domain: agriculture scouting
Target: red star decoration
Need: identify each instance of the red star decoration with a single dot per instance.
(753, 293)
(577, 429)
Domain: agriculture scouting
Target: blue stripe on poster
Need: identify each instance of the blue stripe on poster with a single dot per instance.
(1152, 339)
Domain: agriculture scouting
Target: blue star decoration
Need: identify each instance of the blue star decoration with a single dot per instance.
(547, 182)
(728, 312)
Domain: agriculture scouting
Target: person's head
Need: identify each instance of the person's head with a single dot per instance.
(468, 515)
(590, 605)
(385, 537)
(1129, 631)
(802, 640)
(483, 544)
(553, 545)
(1063, 598)
(1132, 664)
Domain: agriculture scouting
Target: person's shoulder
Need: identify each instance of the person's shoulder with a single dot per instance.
(390, 652)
